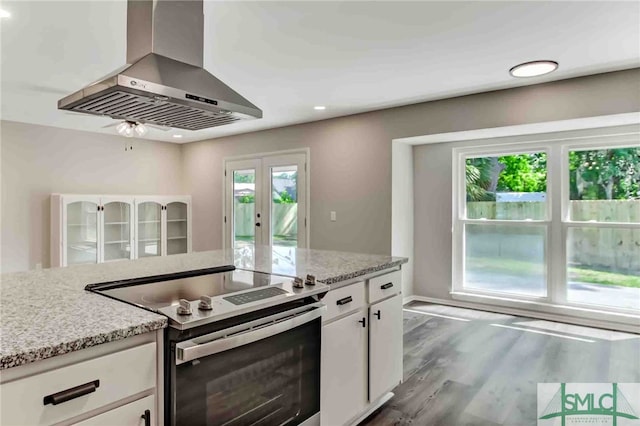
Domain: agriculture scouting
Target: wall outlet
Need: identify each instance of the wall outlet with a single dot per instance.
(333, 216)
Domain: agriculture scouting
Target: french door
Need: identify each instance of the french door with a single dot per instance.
(266, 201)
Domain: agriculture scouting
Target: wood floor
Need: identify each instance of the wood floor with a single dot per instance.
(465, 367)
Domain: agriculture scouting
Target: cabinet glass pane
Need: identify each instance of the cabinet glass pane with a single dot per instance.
(149, 229)
(117, 231)
(82, 233)
(176, 228)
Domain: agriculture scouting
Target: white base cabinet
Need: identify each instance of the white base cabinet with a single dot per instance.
(385, 346)
(361, 348)
(343, 390)
(110, 384)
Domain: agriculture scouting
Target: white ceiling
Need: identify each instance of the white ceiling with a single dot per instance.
(286, 57)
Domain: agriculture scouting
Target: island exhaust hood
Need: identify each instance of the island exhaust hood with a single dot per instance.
(164, 82)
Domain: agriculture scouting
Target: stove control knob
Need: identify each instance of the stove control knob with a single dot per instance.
(298, 283)
(205, 303)
(184, 308)
(311, 280)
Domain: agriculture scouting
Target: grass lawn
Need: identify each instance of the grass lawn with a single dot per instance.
(518, 267)
(278, 240)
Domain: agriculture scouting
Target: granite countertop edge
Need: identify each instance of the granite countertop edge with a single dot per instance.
(362, 272)
(39, 354)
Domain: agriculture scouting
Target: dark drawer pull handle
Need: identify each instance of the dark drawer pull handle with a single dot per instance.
(345, 300)
(73, 393)
(147, 417)
(386, 286)
(378, 314)
(363, 321)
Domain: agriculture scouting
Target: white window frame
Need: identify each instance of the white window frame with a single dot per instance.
(557, 221)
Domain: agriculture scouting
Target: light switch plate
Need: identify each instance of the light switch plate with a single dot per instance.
(333, 216)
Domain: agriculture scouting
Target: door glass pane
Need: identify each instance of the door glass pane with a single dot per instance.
(149, 229)
(604, 185)
(284, 208)
(244, 207)
(604, 266)
(117, 231)
(176, 228)
(82, 233)
(505, 258)
(507, 187)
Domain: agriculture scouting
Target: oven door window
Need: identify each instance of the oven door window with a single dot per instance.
(274, 381)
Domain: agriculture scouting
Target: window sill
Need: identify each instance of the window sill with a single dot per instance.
(579, 315)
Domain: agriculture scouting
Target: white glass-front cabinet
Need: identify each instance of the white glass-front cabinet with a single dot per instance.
(96, 228)
(163, 226)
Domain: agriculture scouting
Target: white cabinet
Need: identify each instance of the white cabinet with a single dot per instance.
(361, 348)
(343, 383)
(63, 393)
(132, 414)
(163, 226)
(385, 346)
(90, 229)
(105, 228)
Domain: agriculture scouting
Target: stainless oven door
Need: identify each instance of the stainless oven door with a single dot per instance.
(264, 372)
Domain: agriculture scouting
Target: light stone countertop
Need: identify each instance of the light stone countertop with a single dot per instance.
(47, 313)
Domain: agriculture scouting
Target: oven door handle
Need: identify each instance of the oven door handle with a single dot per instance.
(191, 349)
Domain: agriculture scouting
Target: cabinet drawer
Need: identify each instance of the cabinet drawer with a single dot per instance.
(130, 414)
(384, 286)
(98, 382)
(343, 300)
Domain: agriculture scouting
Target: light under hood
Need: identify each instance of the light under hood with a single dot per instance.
(165, 83)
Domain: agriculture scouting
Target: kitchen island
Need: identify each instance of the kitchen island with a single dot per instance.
(48, 313)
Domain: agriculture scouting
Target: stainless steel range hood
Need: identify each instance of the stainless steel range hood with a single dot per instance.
(164, 83)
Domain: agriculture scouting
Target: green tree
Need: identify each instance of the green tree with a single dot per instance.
(605, 174)
(523, 173)
(244, 177)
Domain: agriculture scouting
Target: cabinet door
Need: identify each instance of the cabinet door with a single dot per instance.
(178, 227)
(149, 228)
(343, 383)
(80, 236)
(117, 229)
(131, 414)
(385, 346)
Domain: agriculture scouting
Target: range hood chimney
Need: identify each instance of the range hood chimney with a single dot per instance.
(164, 82)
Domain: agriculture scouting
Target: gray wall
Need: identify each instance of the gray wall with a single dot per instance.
(39, 160)
(351, 156)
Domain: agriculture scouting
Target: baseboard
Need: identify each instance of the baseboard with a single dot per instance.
(408, 299)
(628, 328)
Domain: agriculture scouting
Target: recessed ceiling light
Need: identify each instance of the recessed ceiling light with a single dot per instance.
(533, 68)
(4, 14)
(177, 136)
(319, 107)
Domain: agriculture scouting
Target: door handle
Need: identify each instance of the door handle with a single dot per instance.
(147, 417)
(344, 301)
(378, 314)
(73, 393)
(257, 223)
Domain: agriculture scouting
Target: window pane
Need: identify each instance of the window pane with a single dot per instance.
(604, 266)
(244, 207)
(604, 185)
(505, 258)
(284, 206)
(507, 187)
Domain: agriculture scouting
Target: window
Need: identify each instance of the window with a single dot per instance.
(603, 233)
(505, 226)
(553, 223)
